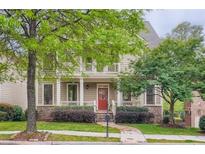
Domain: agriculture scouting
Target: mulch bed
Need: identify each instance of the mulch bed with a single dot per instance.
(24, 136)
(181, 125)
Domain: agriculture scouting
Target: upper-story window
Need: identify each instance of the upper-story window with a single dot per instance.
(89, 64)
(113, 67)
(150, 95)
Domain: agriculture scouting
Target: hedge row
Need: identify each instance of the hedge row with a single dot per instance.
(131, 109)
(73, 116)
(134, 117)
(11, 113)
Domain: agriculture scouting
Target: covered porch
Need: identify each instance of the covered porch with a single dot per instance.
(97, 92)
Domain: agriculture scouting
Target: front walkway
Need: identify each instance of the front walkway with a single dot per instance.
(129, 135)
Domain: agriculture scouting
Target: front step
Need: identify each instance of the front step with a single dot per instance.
(100, 117)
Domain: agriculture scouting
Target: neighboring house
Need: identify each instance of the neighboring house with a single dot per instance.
(94, 88)
(194, 110)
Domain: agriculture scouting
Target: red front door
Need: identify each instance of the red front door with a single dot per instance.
(102, 98)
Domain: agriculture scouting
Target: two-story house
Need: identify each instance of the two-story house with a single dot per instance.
(94, 88)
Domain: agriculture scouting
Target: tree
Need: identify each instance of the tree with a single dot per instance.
(170, 67)
(37, 36)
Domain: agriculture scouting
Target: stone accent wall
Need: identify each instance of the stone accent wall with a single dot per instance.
(44, 113)
(157, 111)
(187, 119)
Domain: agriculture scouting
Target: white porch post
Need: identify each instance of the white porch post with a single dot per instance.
(119, 98)
(58, 92)
(36, 91)
(81, 91)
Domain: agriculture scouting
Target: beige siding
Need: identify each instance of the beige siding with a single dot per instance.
(14, 93)
(125, 61)
(90, 92)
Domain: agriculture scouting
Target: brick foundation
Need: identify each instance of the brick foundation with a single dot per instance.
(44, 113)
(157, 111)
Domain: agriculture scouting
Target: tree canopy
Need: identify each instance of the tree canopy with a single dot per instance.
(171, 67)
(59, 38)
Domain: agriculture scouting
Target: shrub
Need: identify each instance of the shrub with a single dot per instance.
(3, 116)
(166, 113)
(202, 123)
(18, 113)
(166, 119)
(133, 117)
(8, 109)
(75, 107)
(131, 109)
(73, 116)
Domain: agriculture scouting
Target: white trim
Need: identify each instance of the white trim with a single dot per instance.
(81, 91)
(67, 90)
(58, 92)
(53, 86)
(108, 86)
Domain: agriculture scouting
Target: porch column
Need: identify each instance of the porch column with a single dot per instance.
(81, 91)
(119, 98)
(58, 92)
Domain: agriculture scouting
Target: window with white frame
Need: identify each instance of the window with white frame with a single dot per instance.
(126, 96)
(150, 95)
(72, 92)
(48, 94)
(88, 64)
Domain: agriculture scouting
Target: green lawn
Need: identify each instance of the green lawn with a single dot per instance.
(58, 137)
(5, 136)
(171, 141)
(4, 126)
(157, 129)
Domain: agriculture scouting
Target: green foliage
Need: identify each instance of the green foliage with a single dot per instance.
(131, 109)
(3, 116)
(8, 109)
(18, 113)
(14, 112)
(202, 123)
(102, 35)
(134, 117)
(172, 66)
(166, 119)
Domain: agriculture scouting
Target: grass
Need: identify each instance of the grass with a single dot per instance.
(157, 129)
(90, 127)
(5, 136)
(172, 141)
(58, 137)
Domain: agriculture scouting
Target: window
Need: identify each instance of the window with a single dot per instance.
(88, 64)
(113, 68)
(48, 94)
(72, 92)
(150, 95)
(126, 96)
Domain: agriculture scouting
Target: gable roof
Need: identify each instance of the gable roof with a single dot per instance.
(150, 35)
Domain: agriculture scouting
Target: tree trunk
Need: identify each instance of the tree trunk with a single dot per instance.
(31, 75)
(31, 112)
(171, 114)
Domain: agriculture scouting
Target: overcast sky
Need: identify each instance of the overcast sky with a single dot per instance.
(164, 21)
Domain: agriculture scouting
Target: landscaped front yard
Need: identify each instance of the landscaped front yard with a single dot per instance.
(157, 129)
(87, 127)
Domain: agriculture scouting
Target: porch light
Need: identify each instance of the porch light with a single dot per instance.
(87, 86)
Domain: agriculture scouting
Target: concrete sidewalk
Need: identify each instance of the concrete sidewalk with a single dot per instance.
(175, 137)
(74, 133)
